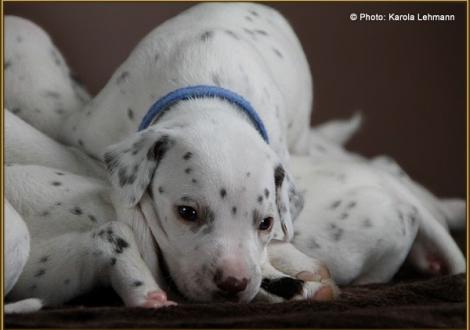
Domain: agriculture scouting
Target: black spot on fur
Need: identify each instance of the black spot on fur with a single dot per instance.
(232, 34)
(284, 287)
(351, 205)
(188, 155)
(156, 57)
(160, 190)
(207, 35)
(188, 170)
(130, 113)
(44, 259)
(6, 65)
(118, 242)
(343, 216)
(313, 244)
(125, 179)
(137, 283)
(223, 193)
(157, 152)
(277, 52)
(249, 32)
(193, 180)
(266, 192)
(113, 261)
(279, 174)
(248, 174)
(45, 213)
(261, 32)
(40, 272)
(59, 173)
(260, 199)
(123, 76)
(234, 210)
(254, 13)
(335, 204)
(367, 223)
(249, 18)
(92, 217)
(16, 110)
(336, 233)
(80, 142)
(56, 183)
(76, 210)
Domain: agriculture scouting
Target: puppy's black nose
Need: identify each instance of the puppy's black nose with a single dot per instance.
(230, 284)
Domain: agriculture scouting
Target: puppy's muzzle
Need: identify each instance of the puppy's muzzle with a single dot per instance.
(230, 286)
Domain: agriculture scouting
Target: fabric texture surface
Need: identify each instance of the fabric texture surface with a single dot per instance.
(414, 303)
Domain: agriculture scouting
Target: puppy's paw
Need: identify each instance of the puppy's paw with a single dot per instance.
(157, 299)
(287, 288)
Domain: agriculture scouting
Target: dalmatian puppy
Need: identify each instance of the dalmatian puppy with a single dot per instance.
(39, 87)
(363, 217)
(205, 170)
(228, 267)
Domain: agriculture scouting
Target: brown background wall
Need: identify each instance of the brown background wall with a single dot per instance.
(407, 78)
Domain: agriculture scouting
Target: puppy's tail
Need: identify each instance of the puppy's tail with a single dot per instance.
(24, 306)
(434, 250)
(340, 131)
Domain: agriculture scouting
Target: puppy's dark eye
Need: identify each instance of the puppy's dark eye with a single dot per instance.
(266, 224)
(187, 213)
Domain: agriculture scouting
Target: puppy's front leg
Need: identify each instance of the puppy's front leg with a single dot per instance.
(128, 273)
(63, 267)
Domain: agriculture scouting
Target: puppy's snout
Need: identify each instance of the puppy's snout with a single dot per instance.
(230, 284)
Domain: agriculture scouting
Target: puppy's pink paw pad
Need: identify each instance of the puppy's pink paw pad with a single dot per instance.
(157, 299)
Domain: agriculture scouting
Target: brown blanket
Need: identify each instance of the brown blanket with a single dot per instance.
(424, 303)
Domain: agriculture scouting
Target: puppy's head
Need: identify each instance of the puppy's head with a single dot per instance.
(216, 205)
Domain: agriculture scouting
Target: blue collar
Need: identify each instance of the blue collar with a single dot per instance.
(203, 91)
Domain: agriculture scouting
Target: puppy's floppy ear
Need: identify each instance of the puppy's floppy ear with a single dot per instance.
(289, 203)
(132, 162)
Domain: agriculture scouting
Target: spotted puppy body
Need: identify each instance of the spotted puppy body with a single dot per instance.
(202, 174)
(365, 217)
(74, 242)
(39, 86)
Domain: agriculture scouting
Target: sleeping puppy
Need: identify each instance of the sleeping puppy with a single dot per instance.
(364, 218)
(229, 92)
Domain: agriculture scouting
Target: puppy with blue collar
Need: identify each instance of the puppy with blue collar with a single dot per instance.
(195, 129)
